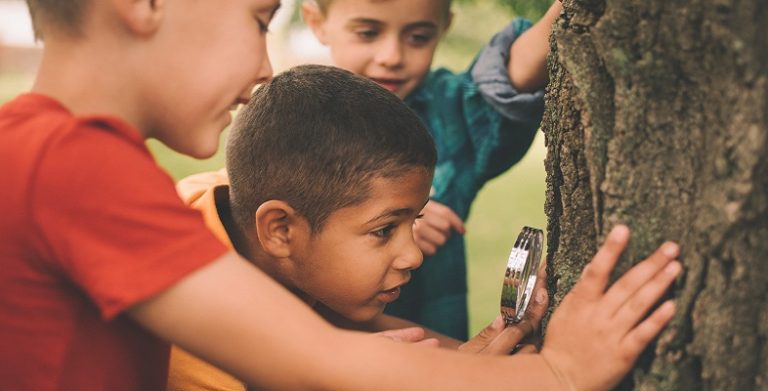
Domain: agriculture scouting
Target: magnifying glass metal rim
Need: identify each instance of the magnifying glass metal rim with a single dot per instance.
(521, 274)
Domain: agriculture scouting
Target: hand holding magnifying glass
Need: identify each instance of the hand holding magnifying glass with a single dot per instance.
(521, 274)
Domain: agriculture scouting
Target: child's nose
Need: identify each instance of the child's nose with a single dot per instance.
(264, 72)
(390, 53)
(411, 257)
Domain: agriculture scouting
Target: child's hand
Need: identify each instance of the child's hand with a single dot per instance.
(435, 226)
(595, 335)
(414, 335)
(520, 337)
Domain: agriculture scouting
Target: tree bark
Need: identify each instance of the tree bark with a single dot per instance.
(657, 117)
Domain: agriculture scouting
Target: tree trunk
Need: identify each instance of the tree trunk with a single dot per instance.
(657, 117)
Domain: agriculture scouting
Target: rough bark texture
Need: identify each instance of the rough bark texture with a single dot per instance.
(657, 117)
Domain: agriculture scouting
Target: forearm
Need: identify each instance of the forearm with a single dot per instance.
(233, 316)
(528, 54)
(381, 364)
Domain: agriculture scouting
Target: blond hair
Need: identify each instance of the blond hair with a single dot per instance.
(324, 4)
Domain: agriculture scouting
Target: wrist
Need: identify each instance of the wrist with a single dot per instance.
(550, 361)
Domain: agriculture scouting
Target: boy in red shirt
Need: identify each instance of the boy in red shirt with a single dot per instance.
(102, 263)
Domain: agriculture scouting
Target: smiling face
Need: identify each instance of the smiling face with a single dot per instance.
(208, 56)
(364, 253)
(389, 41)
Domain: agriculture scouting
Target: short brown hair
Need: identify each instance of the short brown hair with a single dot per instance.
(59, 15)
(315, 137)
(324, 4)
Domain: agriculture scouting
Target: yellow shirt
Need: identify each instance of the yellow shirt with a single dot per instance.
(186, 372)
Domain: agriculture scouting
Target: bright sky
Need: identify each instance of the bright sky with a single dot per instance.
(15, 26)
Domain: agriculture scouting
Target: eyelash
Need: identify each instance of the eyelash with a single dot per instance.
(384, 232)
(263, 27)
(420, 39)
(367, 34)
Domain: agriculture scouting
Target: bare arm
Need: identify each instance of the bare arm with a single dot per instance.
(234, 316)
(528, 54)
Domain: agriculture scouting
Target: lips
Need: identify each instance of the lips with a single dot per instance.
(389, 295)
(388, 83)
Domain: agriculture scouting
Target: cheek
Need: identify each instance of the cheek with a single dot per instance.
(352, 57)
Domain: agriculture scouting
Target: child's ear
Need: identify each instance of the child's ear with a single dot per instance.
(141, 17)
(315, 19)
(277, 227)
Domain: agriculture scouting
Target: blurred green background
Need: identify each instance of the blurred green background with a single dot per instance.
(502, 208)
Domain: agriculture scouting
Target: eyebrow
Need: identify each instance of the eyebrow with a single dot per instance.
(409, 26)
(395, 212)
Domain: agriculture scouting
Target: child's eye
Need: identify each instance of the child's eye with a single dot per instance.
(263, 27)
(367, 34)
(420, 39)
(384, 232)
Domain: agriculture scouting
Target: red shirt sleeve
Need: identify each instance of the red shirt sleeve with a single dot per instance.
(110, 220)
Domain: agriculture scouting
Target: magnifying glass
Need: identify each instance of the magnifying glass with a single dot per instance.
(520, 276)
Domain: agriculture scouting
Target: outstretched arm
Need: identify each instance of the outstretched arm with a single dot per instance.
(234, 316)
(528, 54)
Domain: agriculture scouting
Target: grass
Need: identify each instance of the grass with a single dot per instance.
(502, 208)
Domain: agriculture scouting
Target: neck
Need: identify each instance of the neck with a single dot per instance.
(246, 244)
(88, 79)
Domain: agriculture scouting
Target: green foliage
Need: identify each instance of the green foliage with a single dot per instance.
(531, 9)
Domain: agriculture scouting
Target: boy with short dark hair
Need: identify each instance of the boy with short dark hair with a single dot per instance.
(103, 263)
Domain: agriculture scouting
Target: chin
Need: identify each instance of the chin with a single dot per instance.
(364, 315)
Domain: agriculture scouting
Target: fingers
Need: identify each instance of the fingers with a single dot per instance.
(538, 306)
(428, 342)
(636, 307)
(638, 276)
(527, 349)
(484, 337)
(427, 237)
(408, 335)
(507, 340)
(594, 278)
(454, 221)
(638, 338)
(435, 227)
(442, 218)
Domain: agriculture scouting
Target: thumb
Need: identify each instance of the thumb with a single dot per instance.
(484, 337)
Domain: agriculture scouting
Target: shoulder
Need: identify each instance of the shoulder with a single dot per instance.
(193, 187)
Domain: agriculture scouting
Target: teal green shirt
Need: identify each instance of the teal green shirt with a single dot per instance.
(481, 126)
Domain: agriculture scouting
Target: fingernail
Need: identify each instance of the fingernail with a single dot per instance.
(670, 249)
(673, 268)
(498, 323)
(619, 232)
(541, 296)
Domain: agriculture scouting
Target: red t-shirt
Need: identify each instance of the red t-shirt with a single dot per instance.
(89, 226)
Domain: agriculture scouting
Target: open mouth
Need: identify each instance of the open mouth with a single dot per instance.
(389, 84)
(389, 295)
